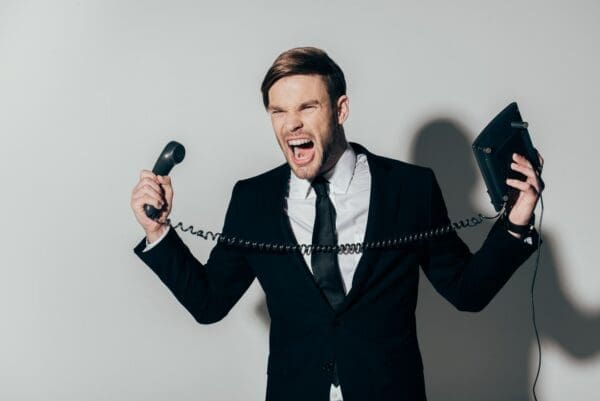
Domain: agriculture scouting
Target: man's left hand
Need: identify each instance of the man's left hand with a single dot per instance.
(529, 190)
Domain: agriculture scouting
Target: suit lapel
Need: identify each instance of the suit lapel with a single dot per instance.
(377, 222)
(296, 258)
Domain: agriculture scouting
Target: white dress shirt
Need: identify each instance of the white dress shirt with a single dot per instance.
(349, 191)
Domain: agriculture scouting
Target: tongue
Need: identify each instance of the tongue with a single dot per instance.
(298, 152)
(301, 152)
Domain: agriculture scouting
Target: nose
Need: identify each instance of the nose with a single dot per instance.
(293, 122)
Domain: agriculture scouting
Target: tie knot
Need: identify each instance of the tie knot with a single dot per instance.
(320, 186)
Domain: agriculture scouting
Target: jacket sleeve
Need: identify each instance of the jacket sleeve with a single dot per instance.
(469, 280)
(207, 291)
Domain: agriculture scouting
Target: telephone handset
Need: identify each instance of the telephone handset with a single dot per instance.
(172, 154)
(493, 148)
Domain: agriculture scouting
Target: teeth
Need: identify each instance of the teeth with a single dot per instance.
(297, 142)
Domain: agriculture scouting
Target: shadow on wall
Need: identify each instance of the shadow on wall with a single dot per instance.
(491, 355)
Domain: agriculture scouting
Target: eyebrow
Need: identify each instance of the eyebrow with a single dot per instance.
(311, 102)
(274, 108)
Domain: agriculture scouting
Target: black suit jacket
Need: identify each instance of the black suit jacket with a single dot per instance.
(372, 338)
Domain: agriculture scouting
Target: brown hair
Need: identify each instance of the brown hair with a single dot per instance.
(305, 61)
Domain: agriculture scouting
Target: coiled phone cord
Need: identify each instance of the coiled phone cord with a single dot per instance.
(357, 247)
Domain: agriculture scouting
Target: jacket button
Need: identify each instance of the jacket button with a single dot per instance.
(337, 322)
(327, 366)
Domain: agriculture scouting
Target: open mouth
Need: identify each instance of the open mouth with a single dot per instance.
(302, 149)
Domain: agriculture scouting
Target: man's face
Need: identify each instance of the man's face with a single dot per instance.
(306, 125)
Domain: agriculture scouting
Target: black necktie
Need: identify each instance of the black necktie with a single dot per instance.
(325, 265)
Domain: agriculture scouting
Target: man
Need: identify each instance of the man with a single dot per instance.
(342, 326)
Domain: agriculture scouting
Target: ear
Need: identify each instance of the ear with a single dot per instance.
(342, 109)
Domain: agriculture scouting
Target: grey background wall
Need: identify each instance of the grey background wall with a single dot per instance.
(90, 91)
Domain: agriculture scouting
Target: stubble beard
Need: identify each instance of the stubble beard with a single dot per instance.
(333, 149)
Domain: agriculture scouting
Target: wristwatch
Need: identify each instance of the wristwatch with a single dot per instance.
(524, 230)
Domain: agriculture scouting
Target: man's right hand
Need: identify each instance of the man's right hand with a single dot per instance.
(157, 191)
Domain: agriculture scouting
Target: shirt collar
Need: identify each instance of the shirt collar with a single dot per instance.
(339, 177)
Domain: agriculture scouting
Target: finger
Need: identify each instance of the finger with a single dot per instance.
(147, 189)
(147, 200)
(164, 180)
(523, 169)
(147, 182)
(535, 184)
(521, 160)
(520, 185)
(149, 192)
(148, 174)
